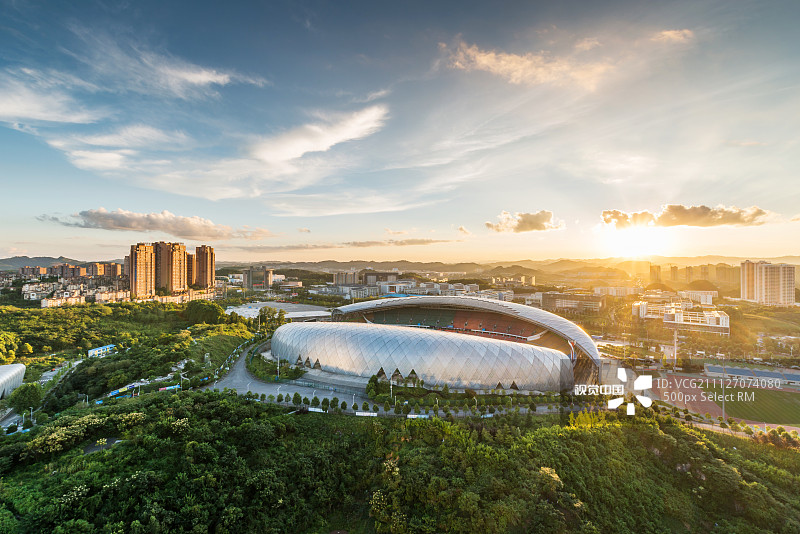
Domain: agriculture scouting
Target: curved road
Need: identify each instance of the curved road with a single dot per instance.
(240, 379)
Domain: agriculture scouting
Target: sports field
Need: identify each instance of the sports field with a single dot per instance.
(767, 405)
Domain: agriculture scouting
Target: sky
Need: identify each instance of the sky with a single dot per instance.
(428, 131)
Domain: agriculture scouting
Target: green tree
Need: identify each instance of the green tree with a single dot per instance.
(315, 401)
(344, 405)
(325, 404)
(25, 397)
(365, 406)
(280, 397)
(297, 399)
(204, 311)
(9, 342)
(355, 407)
(306, 401)
(26, 349)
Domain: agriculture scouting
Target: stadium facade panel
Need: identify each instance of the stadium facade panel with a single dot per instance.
(11, 376)
(437, 357)
(560, 326)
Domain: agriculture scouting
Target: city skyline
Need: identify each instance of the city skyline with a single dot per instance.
(454, 132)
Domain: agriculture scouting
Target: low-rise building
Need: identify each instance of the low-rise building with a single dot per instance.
(495, 294)
(108, 296)
(63, 301)
(701, 297)
(616, 291)
(656, 310)
(676, 315)
(713, 321)
(580, 302)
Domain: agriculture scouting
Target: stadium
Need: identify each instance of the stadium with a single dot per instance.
(11, 376)
(464, 342)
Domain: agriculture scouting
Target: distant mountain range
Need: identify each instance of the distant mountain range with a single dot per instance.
(12, 264)
(526, 267)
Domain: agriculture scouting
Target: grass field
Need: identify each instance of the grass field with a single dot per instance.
(784, 324)
(769, 405)
(219, 345)
(748, 365)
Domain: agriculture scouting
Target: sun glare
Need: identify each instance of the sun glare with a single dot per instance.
(638, 241)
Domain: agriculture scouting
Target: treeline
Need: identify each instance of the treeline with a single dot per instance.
(149, 358)
(215, 462)
(92, 325)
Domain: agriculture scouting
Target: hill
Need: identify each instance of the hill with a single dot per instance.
(513, 270)
(218, 462)
(13, 264)
(702, 285)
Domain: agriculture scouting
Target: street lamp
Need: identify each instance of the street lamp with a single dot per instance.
(723, 387)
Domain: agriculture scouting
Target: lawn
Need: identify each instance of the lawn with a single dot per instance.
(773, 325)
(769, 405)
(217, 341)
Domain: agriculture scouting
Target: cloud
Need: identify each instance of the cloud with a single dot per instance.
(530, 68)
(320, 137)
(346, 244)
(395, 232)
(464, 231)
(304, 230)
(374, 95)
(680, 215)
(136, 136)
(796, 218)
(587, 44)
(745, 143)
(30, 100)
(195, 228)
(95, 160)
(525, 222)
(125, 65)
(673, 36)
(621, 220)
(355, 201)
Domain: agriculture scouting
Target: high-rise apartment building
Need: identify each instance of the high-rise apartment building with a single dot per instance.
(345, 278)
(673, 273)
(170, 266)
(767, 283)
(655, 274)
(205, 266)
(96, 269)
(705, 272)
(726, 274)
(142, 268)
(252, 274)
(191, 269)
(689, 274)
(113, 269)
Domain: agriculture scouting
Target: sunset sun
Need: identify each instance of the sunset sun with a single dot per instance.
(637, 241)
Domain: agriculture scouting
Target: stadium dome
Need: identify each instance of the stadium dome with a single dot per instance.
(11, 376)
(434, 356)
(460, 341)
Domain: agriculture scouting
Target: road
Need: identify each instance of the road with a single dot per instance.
(240, 379)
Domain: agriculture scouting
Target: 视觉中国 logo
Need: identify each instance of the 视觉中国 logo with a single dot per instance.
(641, 383)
